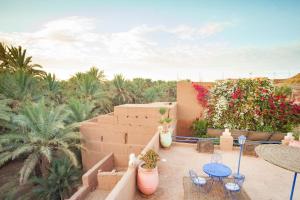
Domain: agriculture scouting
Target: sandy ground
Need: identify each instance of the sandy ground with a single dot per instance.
(264, 181)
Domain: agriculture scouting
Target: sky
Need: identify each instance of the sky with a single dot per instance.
(169, 40)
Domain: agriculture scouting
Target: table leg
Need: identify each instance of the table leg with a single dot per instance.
(293, 186)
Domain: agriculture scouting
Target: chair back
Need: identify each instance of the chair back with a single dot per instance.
(216, 158)
(239, 179)
(193, 174)
(199, 181)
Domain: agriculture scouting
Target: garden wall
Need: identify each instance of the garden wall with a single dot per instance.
(111, 138)
(89, 179)
(127, 187)
(188, 107)
(125, 131)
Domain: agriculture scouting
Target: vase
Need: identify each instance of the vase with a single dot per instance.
(147, 180)
(165, 139)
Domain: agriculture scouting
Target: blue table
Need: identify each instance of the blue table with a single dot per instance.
(217, 170)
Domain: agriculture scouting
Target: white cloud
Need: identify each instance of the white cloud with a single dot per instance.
(73, 44)
(209, 29)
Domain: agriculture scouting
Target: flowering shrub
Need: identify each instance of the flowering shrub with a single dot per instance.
(202, 95)
(251, 104)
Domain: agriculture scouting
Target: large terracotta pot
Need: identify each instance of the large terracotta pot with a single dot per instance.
(147, 180)
(165, 139)
(277, 137)
(258, 136)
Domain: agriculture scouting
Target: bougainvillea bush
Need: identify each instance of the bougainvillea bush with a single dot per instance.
(251, 104)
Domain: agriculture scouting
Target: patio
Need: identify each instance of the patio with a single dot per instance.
(264, 181)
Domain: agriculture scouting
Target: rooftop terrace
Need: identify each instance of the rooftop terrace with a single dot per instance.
(264, 181)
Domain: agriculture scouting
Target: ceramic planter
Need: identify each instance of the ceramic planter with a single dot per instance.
(147, 180)
(165, 139)
(277, 137)
(258, 136)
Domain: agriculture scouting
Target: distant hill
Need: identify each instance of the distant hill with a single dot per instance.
(293, 80)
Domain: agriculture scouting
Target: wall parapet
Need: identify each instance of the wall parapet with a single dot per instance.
(126, 187)
(89, 179)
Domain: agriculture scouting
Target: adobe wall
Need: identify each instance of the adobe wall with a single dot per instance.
(109, 139)
(123, 132)
(188, 107)
(126, 188)
(89, 179)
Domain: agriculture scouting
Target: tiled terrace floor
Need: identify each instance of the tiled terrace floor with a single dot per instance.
(264, 181)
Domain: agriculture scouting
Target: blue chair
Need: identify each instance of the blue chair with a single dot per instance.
(216, 158)
(234, 187)
(198, 181)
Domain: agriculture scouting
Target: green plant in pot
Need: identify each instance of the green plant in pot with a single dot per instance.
(165, 131)
(199, 128)
(147, 178)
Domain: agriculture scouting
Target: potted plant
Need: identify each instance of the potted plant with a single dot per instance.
(147, 178)
(165, 131)
(199, 128)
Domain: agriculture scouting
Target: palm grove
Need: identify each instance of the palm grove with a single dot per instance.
(40, 115)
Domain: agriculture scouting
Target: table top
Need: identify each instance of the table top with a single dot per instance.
(283, 156)
(217, 170)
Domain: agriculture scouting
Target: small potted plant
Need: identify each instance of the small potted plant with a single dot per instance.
(147, 178)
(165, 131)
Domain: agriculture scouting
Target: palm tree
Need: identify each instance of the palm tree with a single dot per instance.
(96, 74)
(90, 87)
(15, 59)
(52, 89)
(19, 86)
(79, 110)
(42, 135)
(5, 112)
(137, 88)
(151, 94)
(59, 185)
(120, 90)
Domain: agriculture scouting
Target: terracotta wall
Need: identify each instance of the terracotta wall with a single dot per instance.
(89, 179)
(109, 139)
(188, 108)
(125, 131)
(126, 187)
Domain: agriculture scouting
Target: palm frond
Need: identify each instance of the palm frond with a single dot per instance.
(22, 149)
(28, 167)
(71, 155)
(46, 152)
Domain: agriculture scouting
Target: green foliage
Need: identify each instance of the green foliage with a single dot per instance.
(19, 86)
(283, 90)
(150, 159)
(37, 112)
(62, 180)
(14, 59)
(52, 89)
(168, 120)
(120, 88)
(79, 110)
(162, 111)
(252, 104)
(5, 112)
(41, 135)
(199, 127)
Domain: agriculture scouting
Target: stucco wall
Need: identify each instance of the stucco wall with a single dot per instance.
(123, 132)
(132, 128)
(126, 187)
(188, 108)
(89, 179)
